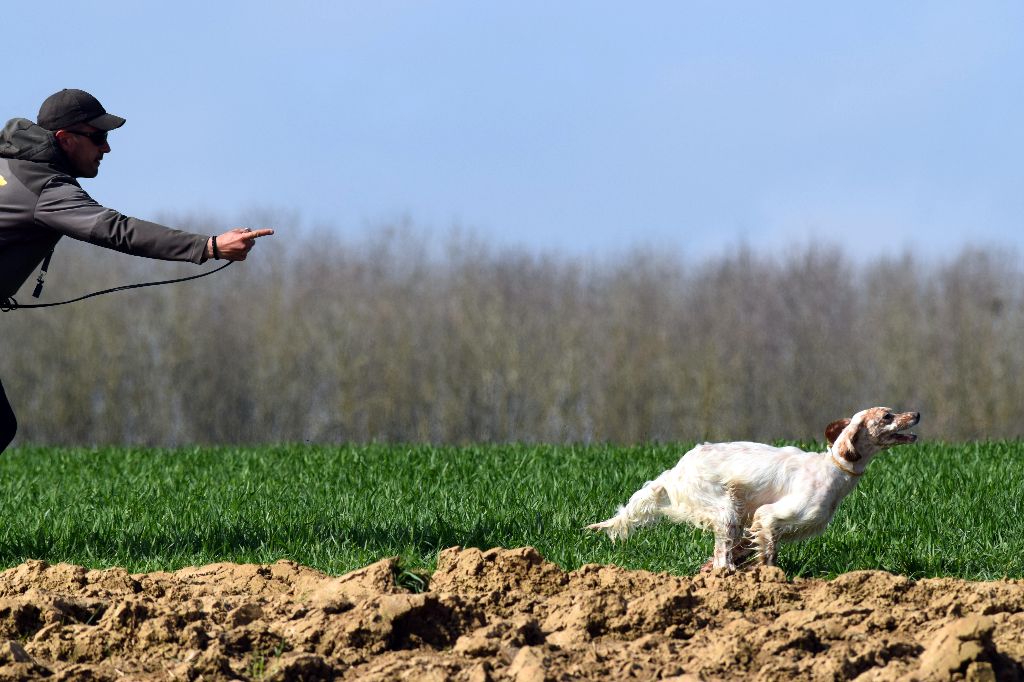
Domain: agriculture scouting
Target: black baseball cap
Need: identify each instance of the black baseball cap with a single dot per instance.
(69, 106)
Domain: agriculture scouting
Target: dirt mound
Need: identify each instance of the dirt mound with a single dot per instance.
(501, 615)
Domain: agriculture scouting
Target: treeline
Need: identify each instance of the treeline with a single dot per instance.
(404, 337)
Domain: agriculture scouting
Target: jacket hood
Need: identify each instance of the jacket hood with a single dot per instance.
(24, 140)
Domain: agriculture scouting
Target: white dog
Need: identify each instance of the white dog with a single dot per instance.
(753, 496)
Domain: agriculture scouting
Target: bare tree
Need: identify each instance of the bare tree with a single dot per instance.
(406, 337)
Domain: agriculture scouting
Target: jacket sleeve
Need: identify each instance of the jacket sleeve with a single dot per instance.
(65, 207)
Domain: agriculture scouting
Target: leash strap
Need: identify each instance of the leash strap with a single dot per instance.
(42, 274)
(9, 303)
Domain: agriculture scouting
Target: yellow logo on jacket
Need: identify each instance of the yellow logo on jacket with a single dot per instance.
(3, 181)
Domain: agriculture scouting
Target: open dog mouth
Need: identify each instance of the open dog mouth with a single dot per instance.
(901, 438)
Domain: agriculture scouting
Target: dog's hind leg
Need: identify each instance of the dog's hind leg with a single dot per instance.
(643, 509)
(743, 552)
(724, 522)
(728, 532)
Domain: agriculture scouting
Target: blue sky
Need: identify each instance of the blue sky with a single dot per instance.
(580, 127)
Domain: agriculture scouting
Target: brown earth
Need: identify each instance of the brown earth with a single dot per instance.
(502, 615)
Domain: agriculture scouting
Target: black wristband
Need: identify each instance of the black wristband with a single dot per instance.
(216, 253)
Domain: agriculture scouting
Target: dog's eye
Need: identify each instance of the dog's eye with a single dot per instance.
(888, 417)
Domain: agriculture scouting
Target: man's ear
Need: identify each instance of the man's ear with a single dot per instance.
(63, 138)
(833, 430)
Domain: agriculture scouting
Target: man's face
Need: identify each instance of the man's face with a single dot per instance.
(81, 143)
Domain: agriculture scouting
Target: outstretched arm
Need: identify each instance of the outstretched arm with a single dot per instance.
(65, 207)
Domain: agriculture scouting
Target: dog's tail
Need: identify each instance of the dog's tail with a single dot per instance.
(643, 509)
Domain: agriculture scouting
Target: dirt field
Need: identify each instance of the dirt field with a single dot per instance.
(502, 615)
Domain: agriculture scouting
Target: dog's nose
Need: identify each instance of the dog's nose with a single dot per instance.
(917, 417)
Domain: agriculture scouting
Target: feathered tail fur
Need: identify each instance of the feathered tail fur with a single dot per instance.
(643, 509)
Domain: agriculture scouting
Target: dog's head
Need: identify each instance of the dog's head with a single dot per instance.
(869, 432)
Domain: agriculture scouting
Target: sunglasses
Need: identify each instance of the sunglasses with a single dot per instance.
(98, 138)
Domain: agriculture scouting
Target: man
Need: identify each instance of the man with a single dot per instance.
(41, 201)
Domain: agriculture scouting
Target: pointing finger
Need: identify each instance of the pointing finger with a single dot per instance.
(253, 234)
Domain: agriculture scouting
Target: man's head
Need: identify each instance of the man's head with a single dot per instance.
(80, 124)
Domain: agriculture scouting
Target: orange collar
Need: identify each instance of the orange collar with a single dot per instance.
(842, 468)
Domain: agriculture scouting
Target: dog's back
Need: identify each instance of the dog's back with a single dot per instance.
(741, 475)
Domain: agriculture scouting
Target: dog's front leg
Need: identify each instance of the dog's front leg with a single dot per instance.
(768, 522)
(764, 540)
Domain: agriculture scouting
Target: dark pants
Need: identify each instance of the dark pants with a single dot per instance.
(8, 424)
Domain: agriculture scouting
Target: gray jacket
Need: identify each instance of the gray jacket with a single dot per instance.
(40, 202)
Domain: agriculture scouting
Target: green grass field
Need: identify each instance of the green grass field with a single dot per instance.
(923, 510)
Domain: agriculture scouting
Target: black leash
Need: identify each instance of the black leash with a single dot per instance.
(8, 303)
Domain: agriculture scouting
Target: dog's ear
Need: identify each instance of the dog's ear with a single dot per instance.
(833, 430)
(843, 444)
